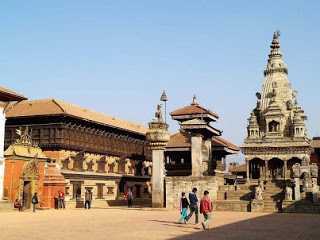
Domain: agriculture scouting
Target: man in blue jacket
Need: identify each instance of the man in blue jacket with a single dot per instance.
(193, 206)
(35, 201)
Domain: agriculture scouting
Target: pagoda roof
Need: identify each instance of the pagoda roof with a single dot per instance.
(55, 107)
(10, 95)
(181, 141)
(194, 111)
(200, 126)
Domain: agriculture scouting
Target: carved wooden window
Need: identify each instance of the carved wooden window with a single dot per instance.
(78, 161)
(90, 166)
(110, 191)
(111, 168)
(65, 164)
(121, 166)
(102, 164)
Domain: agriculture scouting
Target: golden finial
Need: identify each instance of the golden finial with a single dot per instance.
(194, 102)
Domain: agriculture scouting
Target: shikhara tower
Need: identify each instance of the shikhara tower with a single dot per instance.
(277, 135)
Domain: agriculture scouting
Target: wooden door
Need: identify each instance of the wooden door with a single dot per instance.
(26, 198)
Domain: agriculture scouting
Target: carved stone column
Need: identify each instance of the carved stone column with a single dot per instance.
(285, 169)
(297, 189)
(266, 170)
(248, 170)
(158, 136)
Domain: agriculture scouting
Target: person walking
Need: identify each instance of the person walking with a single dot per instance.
(206, 209)
(34, 201)
(88, 199)
(129, 197)
(183, 208)
(193, 206)
(61, 199)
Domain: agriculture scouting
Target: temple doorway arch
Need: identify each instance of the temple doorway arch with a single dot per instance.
(29, 178)
(257, 167)
(275, 166)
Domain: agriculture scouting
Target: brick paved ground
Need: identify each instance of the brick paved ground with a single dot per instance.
(122, 223)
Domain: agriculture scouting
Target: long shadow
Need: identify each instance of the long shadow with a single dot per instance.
(271, 226)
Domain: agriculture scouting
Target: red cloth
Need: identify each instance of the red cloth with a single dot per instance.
(205, 205)
(61, 195)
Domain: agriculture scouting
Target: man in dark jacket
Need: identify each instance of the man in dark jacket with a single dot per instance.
(34, 201)
(88, 198)
(193, 206)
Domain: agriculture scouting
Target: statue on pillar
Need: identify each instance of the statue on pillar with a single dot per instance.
(159, 113)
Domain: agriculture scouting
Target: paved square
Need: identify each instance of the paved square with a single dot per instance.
(123, 223)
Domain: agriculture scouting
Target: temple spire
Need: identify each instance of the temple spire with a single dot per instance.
(275, 61)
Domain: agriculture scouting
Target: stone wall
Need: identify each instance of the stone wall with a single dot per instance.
(176, 185)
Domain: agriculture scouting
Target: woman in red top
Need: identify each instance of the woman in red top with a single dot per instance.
(18, 205)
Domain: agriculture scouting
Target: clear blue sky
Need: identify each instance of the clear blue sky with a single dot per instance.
(116, 57)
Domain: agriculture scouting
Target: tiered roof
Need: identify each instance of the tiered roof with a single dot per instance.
(55, 107)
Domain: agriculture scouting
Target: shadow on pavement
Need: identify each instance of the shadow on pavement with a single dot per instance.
(271, 226)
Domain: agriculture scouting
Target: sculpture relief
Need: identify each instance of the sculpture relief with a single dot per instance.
(258, 193)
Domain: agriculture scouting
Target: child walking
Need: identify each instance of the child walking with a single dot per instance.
(183, 207)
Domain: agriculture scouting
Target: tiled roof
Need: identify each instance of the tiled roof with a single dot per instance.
(193, 109)
(315, 143)
(183, 139)
(47, 107)
(12, 94)
(180, 139)
(241, 168)
(219, 141)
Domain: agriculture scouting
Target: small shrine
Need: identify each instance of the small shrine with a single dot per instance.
(27, 171)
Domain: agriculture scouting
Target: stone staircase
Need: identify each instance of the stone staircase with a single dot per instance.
(274, 195)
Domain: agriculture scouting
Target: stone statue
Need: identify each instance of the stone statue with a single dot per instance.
(306, 177)
(305, 161)
(258, 193)
(288, 195)
(159, 113)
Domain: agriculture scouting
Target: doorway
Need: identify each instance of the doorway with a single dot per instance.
(26, 197)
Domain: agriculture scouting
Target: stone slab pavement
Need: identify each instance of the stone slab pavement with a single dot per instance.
(123, 223)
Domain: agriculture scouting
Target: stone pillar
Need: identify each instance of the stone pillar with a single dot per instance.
(248, 170)
(314, 190)
(266, 170)
(2, 159)
(208, 145)
(296, 189)
(157, 178)
(196, 155)
(158, 136)
(285, 169)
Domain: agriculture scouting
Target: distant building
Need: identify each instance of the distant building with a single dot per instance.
(95, 151)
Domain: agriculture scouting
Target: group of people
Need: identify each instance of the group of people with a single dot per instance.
(205, 208)
(59, 200)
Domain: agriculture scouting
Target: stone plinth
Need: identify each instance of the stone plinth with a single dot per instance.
(176, 185)
(257, 206)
